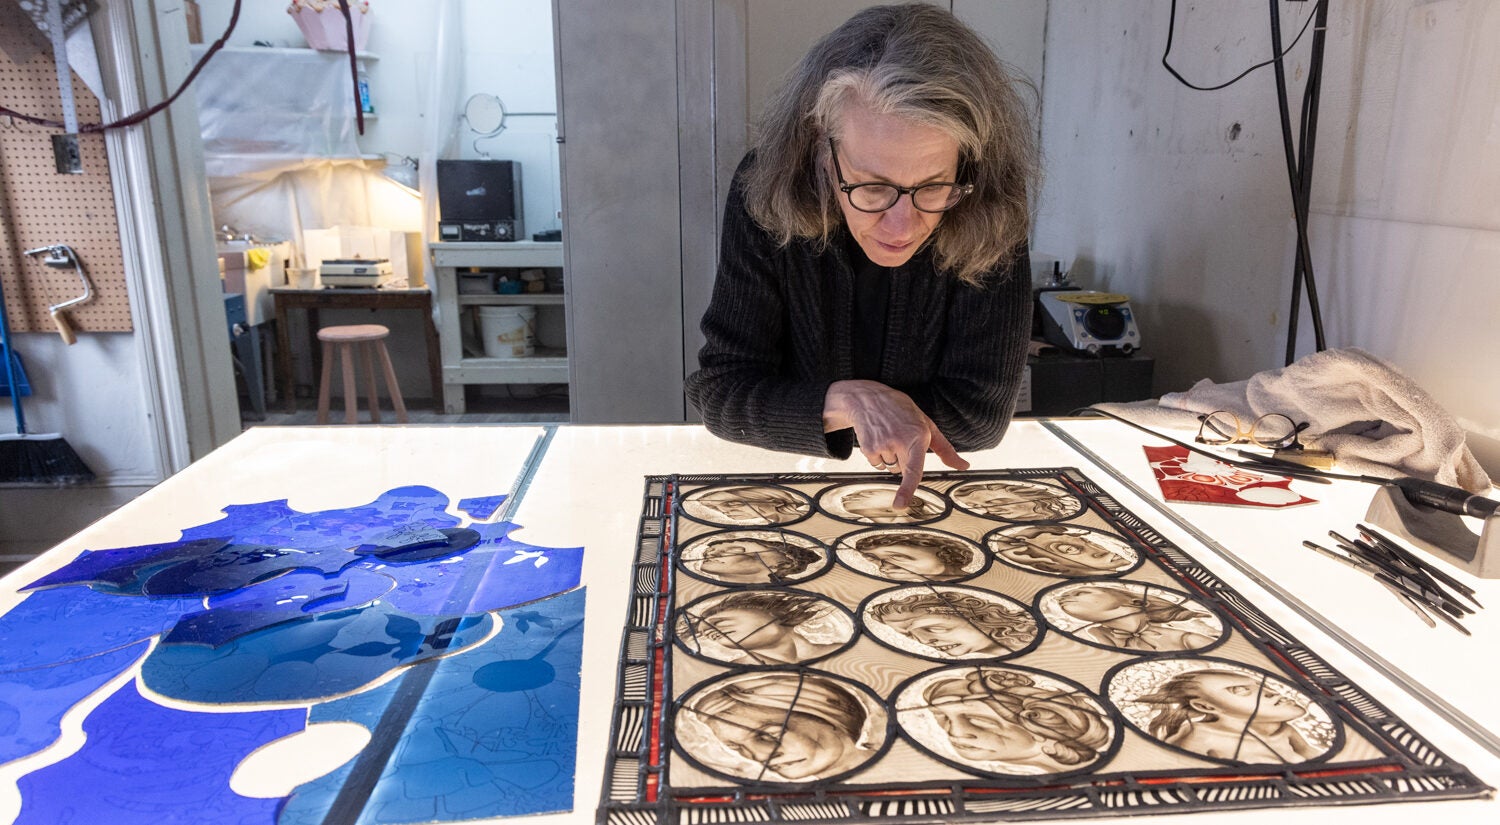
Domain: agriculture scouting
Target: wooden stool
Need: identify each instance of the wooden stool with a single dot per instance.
(342, 340)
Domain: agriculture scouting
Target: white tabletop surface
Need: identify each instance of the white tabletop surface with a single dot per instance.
(587, 491)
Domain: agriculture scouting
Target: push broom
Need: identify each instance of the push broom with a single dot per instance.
(33, 458)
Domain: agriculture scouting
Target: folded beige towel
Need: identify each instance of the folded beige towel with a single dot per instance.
(1374, 419)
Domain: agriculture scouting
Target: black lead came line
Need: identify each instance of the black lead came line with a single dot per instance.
(412, 683)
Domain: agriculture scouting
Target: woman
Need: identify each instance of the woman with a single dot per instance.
(760, 627)
(1229, 715)
(912, 556)
(1005, 721)
(782, 727)
(746, 505)
(873, 282)
(745, 560)
(1060, 551)
(955, 625)
(1129, 620)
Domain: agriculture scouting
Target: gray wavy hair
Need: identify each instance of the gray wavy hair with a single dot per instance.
(917, 62)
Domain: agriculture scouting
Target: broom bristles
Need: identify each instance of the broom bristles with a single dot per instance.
(41, 458)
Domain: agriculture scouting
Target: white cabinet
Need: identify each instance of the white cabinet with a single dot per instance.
(547, 366)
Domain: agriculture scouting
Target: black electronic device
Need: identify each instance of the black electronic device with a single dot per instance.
(479, 200)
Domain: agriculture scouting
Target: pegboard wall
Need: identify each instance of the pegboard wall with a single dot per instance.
(39, 207)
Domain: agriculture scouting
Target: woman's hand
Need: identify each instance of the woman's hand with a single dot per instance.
(894, 434)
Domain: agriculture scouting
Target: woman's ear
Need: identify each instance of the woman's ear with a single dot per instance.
(1202, 705)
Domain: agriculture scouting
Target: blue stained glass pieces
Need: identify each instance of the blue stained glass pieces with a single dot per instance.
(496, 732)
(418, 543)
(33, 701)
(144, 763)
(234, 566)
(124, 569)
(480, 509)
(308, 659)
(64, 624)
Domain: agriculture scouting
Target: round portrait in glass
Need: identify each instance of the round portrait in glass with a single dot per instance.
(1005, 721)
(911, 554)
(746, 505)
(1131, 615)
(870, 503)
(753, 557)
(1063, 550)
(1016, 500)
(781, 726)
(1223, 710)
(946, 623)
(764, 627)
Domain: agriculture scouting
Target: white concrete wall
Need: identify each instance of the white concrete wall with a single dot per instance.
(1179, 198)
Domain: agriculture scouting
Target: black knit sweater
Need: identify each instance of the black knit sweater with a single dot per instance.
(778, 333)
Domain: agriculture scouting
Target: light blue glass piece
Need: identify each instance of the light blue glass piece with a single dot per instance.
(308, 659)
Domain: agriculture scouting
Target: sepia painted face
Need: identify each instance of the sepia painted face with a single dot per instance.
(739, 559)
(907, 562)
(978, 733)
(1097, 604)
(1017, 503)
(744, 628)
(948, 634)
(750, 505)
(795, 745)
(1241, 696)
(872, 504)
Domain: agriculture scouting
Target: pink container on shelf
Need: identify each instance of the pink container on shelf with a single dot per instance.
(322, 23)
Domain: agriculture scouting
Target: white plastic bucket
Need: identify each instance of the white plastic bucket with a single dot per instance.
(508, 331)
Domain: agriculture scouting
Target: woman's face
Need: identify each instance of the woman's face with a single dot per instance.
(1007, 503)
(950, 635)
(743, 628)
(739, 506)
(1095, 604)
(739, 559)
(882, 148)
(1244, 697)
(1076, 551)
(977, 732)
(873, 504)
(906, 562)
(794, 745)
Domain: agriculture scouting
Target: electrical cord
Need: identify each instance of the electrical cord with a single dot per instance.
(138, 117)
(1171, 25)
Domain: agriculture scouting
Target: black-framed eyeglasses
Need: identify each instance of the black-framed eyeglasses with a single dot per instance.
(1273, 430)
(939, 196)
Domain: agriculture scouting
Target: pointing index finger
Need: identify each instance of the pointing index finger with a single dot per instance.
(911, 476)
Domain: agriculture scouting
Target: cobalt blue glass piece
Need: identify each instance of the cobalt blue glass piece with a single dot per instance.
(481, 508)
(494, 574)
(63, 624)
(240, 565)
(419, 543)
(310, 658)
(276, 524)
(148, 764)
(33, 701)
(281, 599)
(123, 569)
(309, 803)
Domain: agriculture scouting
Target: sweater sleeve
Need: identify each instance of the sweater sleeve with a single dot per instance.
(972, 394)
(741, 387)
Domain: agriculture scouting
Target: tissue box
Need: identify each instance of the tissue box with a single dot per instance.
(322, 23)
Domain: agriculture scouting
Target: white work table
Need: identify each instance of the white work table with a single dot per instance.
(577, 486)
